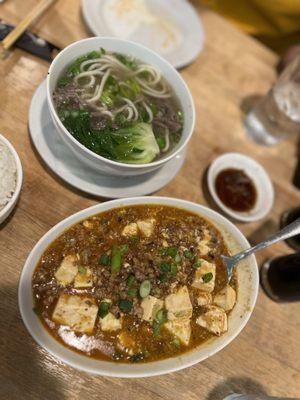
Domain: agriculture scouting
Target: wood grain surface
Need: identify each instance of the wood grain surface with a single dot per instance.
(231, 71)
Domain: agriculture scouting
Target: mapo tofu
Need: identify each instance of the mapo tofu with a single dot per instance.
(135, 284)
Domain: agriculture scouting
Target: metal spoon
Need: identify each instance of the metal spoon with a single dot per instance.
(288, 231)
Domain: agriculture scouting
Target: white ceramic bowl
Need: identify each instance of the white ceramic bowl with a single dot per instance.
(260, 178)
(70, 53)
(247, 276)
(4, 213)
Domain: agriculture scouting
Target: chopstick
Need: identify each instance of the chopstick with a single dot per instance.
(36, 12)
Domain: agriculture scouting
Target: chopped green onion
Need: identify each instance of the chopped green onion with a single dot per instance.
(197, 264)
(130, 281)
(177, 258)
(207, 277)
(81, 270)
(188, 254)
(169, 251)
(124, 248)
(166, 267)
(174, 269)
(162, 278)
(104, 259)
(132, 292)
(145, 288)
(125, 305)
(134, 238)
(161, 316)
(116, 256)
(103, 309)
(155, 328)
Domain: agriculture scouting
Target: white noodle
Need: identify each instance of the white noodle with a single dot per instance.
(101, 87)
(149, 111)
(167, 145)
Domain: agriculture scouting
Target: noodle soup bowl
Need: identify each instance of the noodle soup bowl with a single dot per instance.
(143, 54)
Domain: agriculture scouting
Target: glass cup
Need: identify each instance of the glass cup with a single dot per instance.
(277, 115)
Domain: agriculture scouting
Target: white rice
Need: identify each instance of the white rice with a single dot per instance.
(8, 175)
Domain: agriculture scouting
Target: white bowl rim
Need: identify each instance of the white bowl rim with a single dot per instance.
(11, 203)
(235, 214)
(75, 218)
(90, 152)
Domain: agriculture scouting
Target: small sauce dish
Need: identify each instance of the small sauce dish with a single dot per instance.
(249, 171)
(12, 201)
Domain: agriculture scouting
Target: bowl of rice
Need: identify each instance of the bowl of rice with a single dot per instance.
(11, 177)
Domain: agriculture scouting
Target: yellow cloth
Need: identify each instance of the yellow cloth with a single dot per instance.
(274, 22)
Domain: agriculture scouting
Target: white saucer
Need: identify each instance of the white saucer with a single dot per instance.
(177, 34)
(259, 176)
(61, 160)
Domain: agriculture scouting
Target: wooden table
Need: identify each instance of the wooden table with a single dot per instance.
(265, 358)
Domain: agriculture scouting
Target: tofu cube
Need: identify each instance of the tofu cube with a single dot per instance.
(110, 323)
(225, 298)
(200, 281)
(214, 320)
(204, 299)
(150, 306)
(203, 247)
(146, 227)
(181, 329)
(66, 272)
(79, 313)
(130, 230)
(179, 304)
(84, 278)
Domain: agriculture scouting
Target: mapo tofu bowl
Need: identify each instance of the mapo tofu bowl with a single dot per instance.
(135, 287)
(120, 107)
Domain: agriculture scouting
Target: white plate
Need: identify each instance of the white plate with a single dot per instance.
(172, 28)
(5, 212)
(247, 282)
(60, 159)
(260, 178)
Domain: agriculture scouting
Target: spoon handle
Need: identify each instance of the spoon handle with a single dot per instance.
(288, 231)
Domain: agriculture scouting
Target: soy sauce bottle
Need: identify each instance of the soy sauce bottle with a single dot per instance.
(280, 278)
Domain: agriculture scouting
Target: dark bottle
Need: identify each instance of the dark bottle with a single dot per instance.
(280, 278)
(287, 218)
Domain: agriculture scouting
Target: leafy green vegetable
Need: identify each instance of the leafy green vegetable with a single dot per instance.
(161, 141)
(207, 277)
(145, 288)
(74, 68)
(103, 309)
(64, 81)
(131, 89)
(104, 259)
(116, 256)
(131, 64)
(134, 144)
(125, 305)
